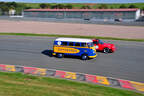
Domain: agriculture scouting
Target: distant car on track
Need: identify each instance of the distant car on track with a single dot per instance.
(104, 47)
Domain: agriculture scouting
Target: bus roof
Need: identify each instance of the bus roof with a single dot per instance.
(74, 40)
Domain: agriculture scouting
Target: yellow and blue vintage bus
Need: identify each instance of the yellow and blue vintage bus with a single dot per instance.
(74, 46)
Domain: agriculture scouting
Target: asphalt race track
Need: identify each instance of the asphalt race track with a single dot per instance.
(126, 63)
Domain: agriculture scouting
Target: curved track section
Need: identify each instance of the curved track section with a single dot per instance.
(126, 63)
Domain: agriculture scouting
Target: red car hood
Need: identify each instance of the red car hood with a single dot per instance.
(108, 44)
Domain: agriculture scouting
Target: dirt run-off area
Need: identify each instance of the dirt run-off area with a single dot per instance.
(7, 26)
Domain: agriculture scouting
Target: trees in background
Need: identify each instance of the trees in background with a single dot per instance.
(45, 6)
(68, 6)
(19, 7)
(103, 6)
(6, 6)
(123, 6)
(60, 6)
(56, 6)
(85, 7)
(12, 4)
(132, 6)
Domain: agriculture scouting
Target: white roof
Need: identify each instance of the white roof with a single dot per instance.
(74, 40)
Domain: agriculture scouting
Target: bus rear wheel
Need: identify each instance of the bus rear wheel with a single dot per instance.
(84, 57)
(59, 55)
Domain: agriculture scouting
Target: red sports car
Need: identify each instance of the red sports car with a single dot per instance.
(104, 47)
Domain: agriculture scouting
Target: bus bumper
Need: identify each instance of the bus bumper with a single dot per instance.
(93, 56)
(53, 54)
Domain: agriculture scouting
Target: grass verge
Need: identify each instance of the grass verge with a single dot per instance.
(18, 84)
(74, 36)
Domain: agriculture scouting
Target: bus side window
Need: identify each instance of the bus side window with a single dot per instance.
(83, 45)
(77, 44)
(64, 43)
(71, 44)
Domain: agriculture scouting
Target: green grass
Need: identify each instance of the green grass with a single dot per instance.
(33, 5)
(73, 36)
(18, 84)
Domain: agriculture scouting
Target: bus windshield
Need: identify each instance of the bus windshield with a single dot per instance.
(90, 44)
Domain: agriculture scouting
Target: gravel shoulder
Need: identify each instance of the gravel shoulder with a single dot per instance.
(131, 32)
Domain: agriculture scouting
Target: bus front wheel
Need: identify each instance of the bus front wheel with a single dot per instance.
(59, 55)
(84, 57)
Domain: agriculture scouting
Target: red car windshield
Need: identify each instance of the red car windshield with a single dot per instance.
(98, 42)
(101, 42)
